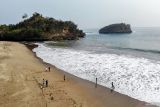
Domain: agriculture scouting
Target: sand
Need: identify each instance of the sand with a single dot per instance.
(21, 75)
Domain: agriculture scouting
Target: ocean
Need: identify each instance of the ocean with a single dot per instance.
(130, 61)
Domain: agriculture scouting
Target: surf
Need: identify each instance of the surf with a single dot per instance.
(136, 77)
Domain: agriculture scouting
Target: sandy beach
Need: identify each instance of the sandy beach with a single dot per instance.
(21, 78)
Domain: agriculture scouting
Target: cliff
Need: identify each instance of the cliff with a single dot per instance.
(39, 28)
(116, 28)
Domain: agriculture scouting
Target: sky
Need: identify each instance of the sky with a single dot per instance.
(85, 13)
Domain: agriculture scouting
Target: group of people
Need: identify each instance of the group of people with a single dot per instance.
(45, 82)
(48, 69)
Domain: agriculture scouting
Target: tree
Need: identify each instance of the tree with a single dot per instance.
(38, 27)
(25, 16)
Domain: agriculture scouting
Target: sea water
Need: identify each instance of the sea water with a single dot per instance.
(130, 61)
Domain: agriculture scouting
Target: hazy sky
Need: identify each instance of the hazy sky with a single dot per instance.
(85, 13)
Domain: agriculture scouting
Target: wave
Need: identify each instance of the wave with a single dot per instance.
(136, 49)
(136, 77)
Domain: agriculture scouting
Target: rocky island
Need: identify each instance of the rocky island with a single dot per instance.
(116, 28)
(39, 28)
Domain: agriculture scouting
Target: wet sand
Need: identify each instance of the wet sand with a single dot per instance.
(21, 75)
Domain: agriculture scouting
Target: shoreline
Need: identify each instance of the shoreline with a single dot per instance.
(87, 83)
(21, 78)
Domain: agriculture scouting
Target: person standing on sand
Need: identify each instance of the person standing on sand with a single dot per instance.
(49, 69)
(46, 83)
(43, 82)
(112, 88)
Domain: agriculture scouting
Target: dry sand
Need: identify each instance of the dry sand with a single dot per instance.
(21, 75)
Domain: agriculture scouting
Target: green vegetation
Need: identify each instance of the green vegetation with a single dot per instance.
(39, 28)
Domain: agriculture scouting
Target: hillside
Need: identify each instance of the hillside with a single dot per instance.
(39, 28)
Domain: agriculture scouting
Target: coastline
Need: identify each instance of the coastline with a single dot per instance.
(25, 72)
(91, 85)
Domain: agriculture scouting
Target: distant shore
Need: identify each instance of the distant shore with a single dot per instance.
(21, 79)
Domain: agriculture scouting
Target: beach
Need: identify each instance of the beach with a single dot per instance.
(21, 78)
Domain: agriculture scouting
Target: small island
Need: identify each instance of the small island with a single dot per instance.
(39, 28)
(116, 28)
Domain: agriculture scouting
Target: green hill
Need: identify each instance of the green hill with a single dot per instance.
(39, 28)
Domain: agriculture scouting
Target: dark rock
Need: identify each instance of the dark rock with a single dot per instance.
(116, 28)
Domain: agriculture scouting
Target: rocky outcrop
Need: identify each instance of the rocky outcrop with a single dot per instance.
(116, 28)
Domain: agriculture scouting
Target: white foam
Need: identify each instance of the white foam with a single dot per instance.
(135, 77)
